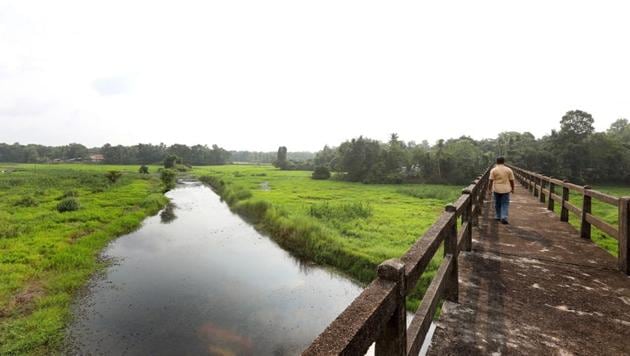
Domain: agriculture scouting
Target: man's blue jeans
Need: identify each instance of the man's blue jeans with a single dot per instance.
(501, 205)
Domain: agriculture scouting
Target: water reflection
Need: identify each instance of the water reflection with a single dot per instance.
(205, 283)
(167, 215)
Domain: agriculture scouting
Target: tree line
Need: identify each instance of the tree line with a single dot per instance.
(137, 154)
(575, 152)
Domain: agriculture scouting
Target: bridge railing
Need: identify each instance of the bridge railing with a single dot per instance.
(550, 190)
(378, 315)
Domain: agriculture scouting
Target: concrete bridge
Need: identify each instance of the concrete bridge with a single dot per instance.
(535, 287)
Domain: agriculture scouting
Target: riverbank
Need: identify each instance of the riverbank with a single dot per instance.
(350, 226)
(47, 255)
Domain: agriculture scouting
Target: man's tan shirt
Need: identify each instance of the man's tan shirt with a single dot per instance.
(501, 176)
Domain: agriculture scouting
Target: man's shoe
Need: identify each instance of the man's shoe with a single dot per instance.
(504, 222)
(497, 219)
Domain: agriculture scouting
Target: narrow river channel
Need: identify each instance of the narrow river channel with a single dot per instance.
(196, 280)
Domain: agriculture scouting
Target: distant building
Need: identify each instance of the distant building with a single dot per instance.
(97, 158)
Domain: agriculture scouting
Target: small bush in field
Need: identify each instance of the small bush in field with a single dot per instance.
(113, 176)
(321, 173)
(143, 169)
(68, 204)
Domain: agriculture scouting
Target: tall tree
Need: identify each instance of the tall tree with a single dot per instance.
(281, 159)
(577, 125)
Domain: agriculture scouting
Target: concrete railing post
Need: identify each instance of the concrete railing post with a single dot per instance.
(564, 212)
(467, 216)
(450, 248)
(552, 190)
(393, 338)
(474, 201)
(624, 234)
(585, 226)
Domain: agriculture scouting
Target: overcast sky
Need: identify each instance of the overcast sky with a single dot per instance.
(257, 74)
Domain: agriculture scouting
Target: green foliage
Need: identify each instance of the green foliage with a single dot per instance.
(27, 202)
(281, 159)
(170, 161)
(45, 257)
(113, 176)
(68, 204)
(577, 124)
(321, 173)
(143, 169)
(575, 152)
(169, 179)
(8, 231)
(343, 211)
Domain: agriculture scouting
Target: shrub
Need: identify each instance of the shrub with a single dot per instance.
(27, 201)
(143, 169)
(236, 193)
(113, 176)
(170, 161)
(253, 209)
(169, 179)
(68, 204)
(321, 172)
(216, 183)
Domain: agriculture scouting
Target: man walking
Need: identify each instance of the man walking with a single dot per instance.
(502, 184)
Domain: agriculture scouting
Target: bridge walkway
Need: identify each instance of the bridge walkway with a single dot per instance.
(534, 287)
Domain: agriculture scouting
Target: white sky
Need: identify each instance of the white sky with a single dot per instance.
(258, 74)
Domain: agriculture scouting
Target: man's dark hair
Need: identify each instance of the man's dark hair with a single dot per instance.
(500, 160)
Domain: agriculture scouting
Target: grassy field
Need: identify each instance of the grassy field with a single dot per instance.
(350, 226)
(45, 255)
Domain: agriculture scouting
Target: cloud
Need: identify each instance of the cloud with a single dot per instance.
(24, 107)
(112, 85)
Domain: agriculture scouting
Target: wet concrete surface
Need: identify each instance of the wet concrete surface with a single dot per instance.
(534, 287)
(198, 280)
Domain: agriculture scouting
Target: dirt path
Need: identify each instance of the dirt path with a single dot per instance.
(534, 287)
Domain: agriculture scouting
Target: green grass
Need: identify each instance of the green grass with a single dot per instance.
(46, 255)
(350, 226)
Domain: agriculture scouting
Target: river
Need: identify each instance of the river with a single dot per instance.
(196, 279)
